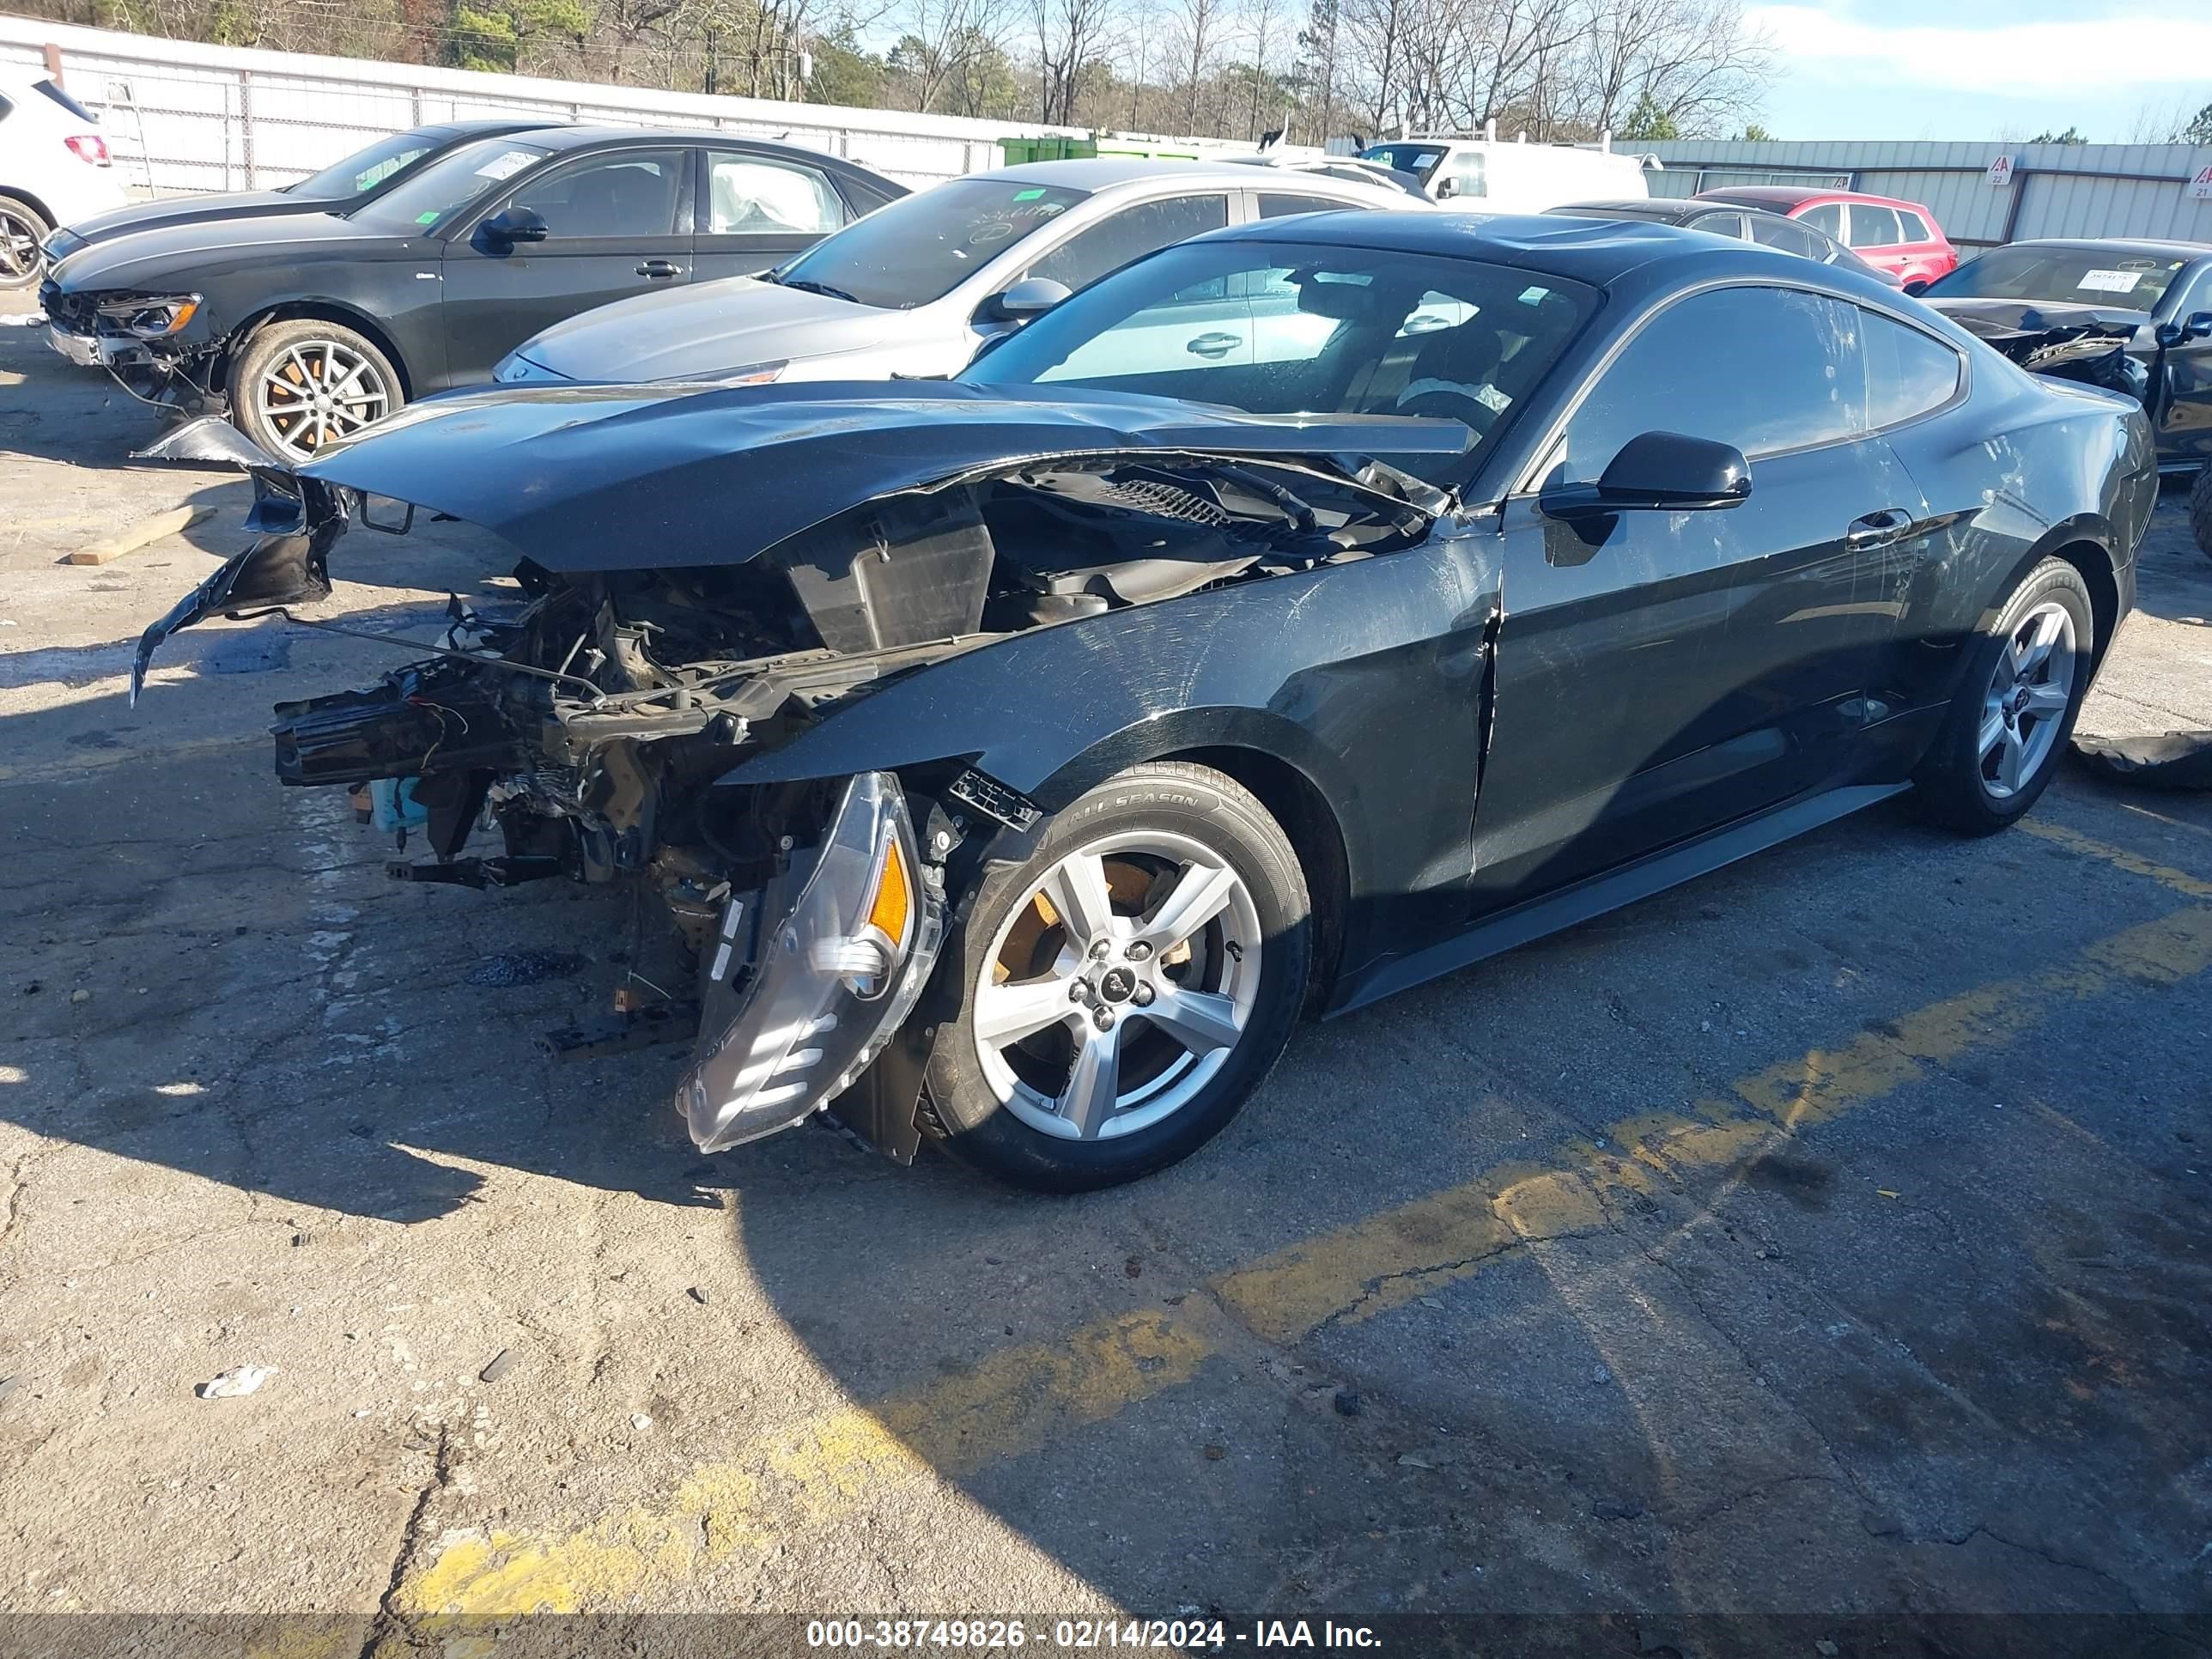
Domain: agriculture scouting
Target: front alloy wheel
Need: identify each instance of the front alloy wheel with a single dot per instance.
(1118, 987)
(1125, 984)
(300, 386)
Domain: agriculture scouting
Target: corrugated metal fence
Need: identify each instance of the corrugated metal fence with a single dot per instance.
(185, 117)
(2054, 190)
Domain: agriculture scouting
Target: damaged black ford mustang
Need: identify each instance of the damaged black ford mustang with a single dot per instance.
(1298, 614)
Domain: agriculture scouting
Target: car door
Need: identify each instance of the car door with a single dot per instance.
(1872, 233)
(1661, 673)
(618, 223)
(755, 211)
(2183, 410)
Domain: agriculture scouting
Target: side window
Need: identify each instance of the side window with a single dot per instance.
(1274, 205)
(1915, 227)
(1469, 172)
(1907, 374)
(630, 193)
(1769, 230)
(1720, 224)
(1874, 227)
(1133, 231)
(1682, 371)
(748, 195)
(1828, 217)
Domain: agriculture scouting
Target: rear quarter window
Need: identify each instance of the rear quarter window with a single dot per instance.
(1915, 227)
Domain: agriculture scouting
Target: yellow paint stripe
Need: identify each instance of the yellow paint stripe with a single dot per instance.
(2119, 857)
(1022, 1399)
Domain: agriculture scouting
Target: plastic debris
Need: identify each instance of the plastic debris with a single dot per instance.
(640, 1421)
(502, 1362)
(238, 1380)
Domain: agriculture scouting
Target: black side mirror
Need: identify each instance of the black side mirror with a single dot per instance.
(2196, 326)
(1447, 187)
(1917, 287)
(511, 225)
(1659, 471)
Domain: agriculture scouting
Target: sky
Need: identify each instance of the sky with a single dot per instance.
(1983, 69)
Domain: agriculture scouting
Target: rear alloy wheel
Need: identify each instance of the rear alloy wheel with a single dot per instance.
(23, 229)
(300, 387)
(2015, 708)
(1128, 986)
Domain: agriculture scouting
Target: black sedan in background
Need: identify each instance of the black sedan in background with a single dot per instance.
(1016, 757)
(340, 187)
(311, 325)
(1745, 224)
(2134, 316)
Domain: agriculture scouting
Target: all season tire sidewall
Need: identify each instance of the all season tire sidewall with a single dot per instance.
(1185, 800)
(1950, 786)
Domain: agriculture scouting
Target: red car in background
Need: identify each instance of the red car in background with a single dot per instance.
(1901, 237)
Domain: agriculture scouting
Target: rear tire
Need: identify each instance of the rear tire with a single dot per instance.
(2200, 509)
(2015, 705)
(1104, 1033)
(297, 386)
(23, 229)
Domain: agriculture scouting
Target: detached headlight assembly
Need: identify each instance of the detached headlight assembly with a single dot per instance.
(831, 978)
(149, 319)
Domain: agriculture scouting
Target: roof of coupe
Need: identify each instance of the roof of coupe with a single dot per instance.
(1099, 172)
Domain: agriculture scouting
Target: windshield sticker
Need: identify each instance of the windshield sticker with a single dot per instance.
(2109, 282)
(429, 218)
(506, 166)
(1028, 195)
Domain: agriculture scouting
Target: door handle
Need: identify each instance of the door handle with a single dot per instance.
(660, 268)
(1212, 345)
(1877, 529)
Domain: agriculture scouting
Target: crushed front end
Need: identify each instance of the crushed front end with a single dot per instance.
(601, 728)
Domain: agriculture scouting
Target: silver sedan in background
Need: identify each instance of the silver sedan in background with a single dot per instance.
(919, 287)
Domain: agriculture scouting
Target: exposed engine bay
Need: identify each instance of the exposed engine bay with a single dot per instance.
(594, 729)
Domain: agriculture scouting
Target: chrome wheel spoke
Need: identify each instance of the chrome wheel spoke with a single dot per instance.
(1200, 893)
(1007, 1014)
(1093, 1085)
(1076, 890)
(2048, 700)
(1202, 1021)
(2012, 754)
(2041, 634)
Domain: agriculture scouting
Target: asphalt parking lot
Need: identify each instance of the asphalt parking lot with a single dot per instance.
(1828, 1239)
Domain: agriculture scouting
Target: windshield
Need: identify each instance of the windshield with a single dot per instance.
(922, 246)
(365, 169)
(436, 190)
(1420, 159)
(1294, 328)
(2069, 275)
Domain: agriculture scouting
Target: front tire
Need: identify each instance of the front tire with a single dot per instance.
(297, 386)
(23, 231)
(1125, 987)
(2200, 509)
(2015, 708)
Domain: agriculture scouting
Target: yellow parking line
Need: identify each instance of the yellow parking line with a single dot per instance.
(1022, 1399)
(2119, 857)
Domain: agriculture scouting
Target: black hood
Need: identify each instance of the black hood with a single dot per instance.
(148, 261)
(598, 478)
(179, 210)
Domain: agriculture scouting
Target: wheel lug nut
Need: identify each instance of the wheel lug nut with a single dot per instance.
(1075, 992)
(1142, 996)
(1139, 952)
(1105, 1018)
(1100, 949)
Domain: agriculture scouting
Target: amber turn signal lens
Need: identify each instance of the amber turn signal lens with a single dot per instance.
(892, 908)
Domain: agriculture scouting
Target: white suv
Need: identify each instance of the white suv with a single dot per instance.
(54, 170)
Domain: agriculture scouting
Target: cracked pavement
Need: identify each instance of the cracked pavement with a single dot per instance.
(1825, 1239)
